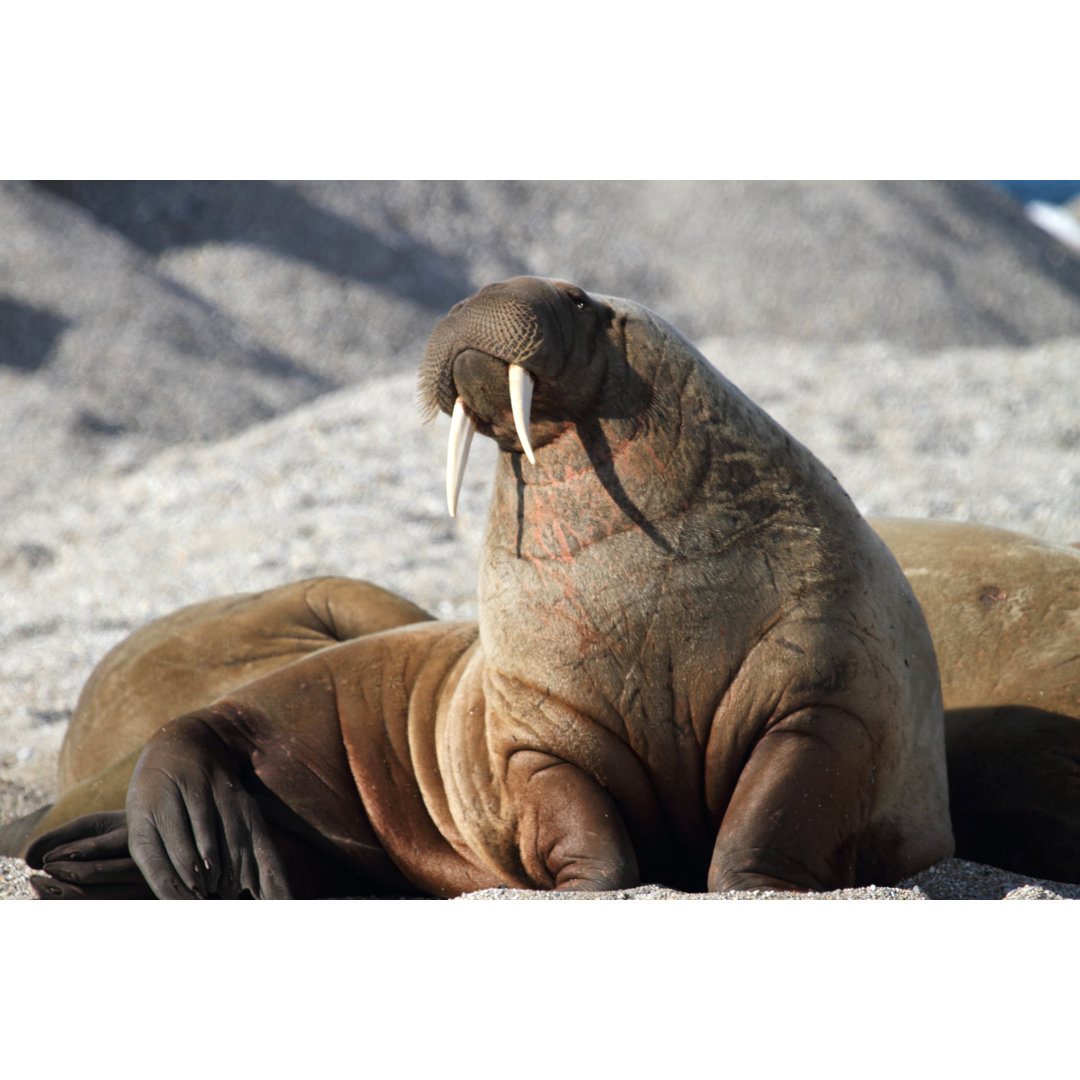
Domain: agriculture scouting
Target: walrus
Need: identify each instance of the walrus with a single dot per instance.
(694, 664)
(1004, 614)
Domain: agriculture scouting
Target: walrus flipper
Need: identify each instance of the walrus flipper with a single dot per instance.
(87, 859)
(194, 830)
(572, 836)
(190, 830)
(799, 808)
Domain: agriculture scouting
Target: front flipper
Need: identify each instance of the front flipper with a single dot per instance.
(571, 835)
(194, 830)
(801, 804)
(87, 859)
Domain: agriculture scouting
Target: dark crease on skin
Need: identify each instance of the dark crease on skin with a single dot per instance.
(520, 483)
(324, 618)
(351, 799)
(597, 447)
(168, 816)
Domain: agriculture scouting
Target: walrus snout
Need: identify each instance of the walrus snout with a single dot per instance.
(487, 356)
(473, 370)
(505, 322)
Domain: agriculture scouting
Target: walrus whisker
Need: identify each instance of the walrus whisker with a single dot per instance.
(462, 430)
(521, 391)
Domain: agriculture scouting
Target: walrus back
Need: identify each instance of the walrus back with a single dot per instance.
(189, 658)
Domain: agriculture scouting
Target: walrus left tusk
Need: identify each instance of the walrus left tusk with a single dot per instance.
(462, 430)
(521, 391)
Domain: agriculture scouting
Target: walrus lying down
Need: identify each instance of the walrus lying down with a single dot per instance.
(695, 664)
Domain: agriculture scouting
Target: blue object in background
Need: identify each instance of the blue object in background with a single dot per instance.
(1047, 191)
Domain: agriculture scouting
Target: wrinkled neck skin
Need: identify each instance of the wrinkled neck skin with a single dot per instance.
(615, 469)
(629, 557)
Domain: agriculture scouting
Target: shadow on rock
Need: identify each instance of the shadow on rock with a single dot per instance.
(157, 215)
(28, 335)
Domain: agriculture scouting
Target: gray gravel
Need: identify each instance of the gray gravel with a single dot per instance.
(320, 464)
(951, 879)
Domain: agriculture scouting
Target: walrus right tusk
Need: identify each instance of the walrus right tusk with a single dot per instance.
(462, 430)
(521, 391)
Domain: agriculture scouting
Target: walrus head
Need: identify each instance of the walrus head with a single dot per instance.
(521, 361)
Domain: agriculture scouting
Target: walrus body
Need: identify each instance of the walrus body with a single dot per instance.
(1004, 613)
(695, 664)
(198, 654)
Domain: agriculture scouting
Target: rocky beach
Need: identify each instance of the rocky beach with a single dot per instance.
(209, 388)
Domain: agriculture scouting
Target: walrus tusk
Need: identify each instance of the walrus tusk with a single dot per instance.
(521, 391)
(462, 430)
